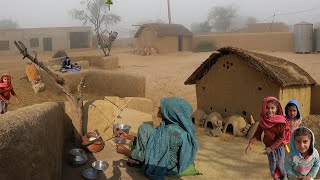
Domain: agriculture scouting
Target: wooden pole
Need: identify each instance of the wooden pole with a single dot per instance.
(76, 101)
(169, 12)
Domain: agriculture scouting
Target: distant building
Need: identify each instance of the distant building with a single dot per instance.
(267, 27)
(164, 37)
(45, 39)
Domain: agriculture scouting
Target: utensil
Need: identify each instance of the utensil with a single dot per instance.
(106, 128)
(120, 127)
(90, 173)
(77, 157)
(100, 165)
(119, 140)
(95, 145)
(94, 138)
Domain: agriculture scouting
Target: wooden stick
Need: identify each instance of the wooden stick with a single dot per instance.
(24, 52)
(106, 128)
(76, 101)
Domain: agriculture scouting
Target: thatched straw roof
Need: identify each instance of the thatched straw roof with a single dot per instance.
(161, 30)
(283, 72)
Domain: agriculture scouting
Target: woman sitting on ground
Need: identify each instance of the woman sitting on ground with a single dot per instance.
(168, 149)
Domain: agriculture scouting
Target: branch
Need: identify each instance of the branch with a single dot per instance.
(23, 50)
(80, 86)
(76, 102)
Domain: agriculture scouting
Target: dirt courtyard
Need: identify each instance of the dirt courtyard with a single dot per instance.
(217, 158)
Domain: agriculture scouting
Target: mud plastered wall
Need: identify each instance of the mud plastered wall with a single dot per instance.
(31, 143)
(231, 87)
(108, 83)
(300, 93)
(276, 41)
(315, 99)
(98, 62)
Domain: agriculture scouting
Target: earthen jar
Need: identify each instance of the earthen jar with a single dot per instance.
(96, 146)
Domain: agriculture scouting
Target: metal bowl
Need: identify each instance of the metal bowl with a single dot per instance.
(90, 173)
(76, 152)
(100, 165)
(121, 127)
(119, 140)
(77, 157)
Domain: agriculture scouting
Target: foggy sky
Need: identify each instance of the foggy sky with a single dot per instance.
(55, 13)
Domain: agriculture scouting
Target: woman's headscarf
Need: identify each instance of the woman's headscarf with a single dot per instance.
(6, 87)
(267, 122)
(178, 111)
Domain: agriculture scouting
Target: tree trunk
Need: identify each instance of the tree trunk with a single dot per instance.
(76, 101)
(100, 42)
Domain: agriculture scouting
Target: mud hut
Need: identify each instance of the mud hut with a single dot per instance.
(234, 81)
(164, 37)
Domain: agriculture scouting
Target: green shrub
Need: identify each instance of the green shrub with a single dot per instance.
(205, 46)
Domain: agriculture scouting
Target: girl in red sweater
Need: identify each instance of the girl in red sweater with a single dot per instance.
(276, 135)
(5, 90)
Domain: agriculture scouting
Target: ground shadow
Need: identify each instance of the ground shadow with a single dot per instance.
(68, 170)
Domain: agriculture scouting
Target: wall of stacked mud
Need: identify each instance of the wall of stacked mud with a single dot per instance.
(101, 82)
(97, 62)
(32, 140)
(272, 41)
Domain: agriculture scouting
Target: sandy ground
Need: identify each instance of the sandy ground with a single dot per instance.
(217, 158)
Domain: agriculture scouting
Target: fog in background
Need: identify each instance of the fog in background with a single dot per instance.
(55, 13)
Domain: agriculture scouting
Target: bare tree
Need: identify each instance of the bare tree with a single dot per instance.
(97, 14)
(220, 18)
(8, 24)
(200, 27)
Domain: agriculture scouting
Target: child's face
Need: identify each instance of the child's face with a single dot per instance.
(302, 143)
(6, 80)
(271, 109)
(292, 112)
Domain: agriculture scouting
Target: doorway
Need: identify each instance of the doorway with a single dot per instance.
(79, 40)
(180, 42)
(47, 44)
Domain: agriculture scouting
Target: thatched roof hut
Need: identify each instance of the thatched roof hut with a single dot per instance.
(234, 81)
(164, 37)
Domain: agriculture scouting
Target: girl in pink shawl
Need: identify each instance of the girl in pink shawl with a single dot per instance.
(276, 135)
(5, 90)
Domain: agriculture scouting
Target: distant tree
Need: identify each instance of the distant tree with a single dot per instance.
(200, 27)
(317, 25)
(240, 23)
(220, 18)
(8, 24)
(97, 14)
